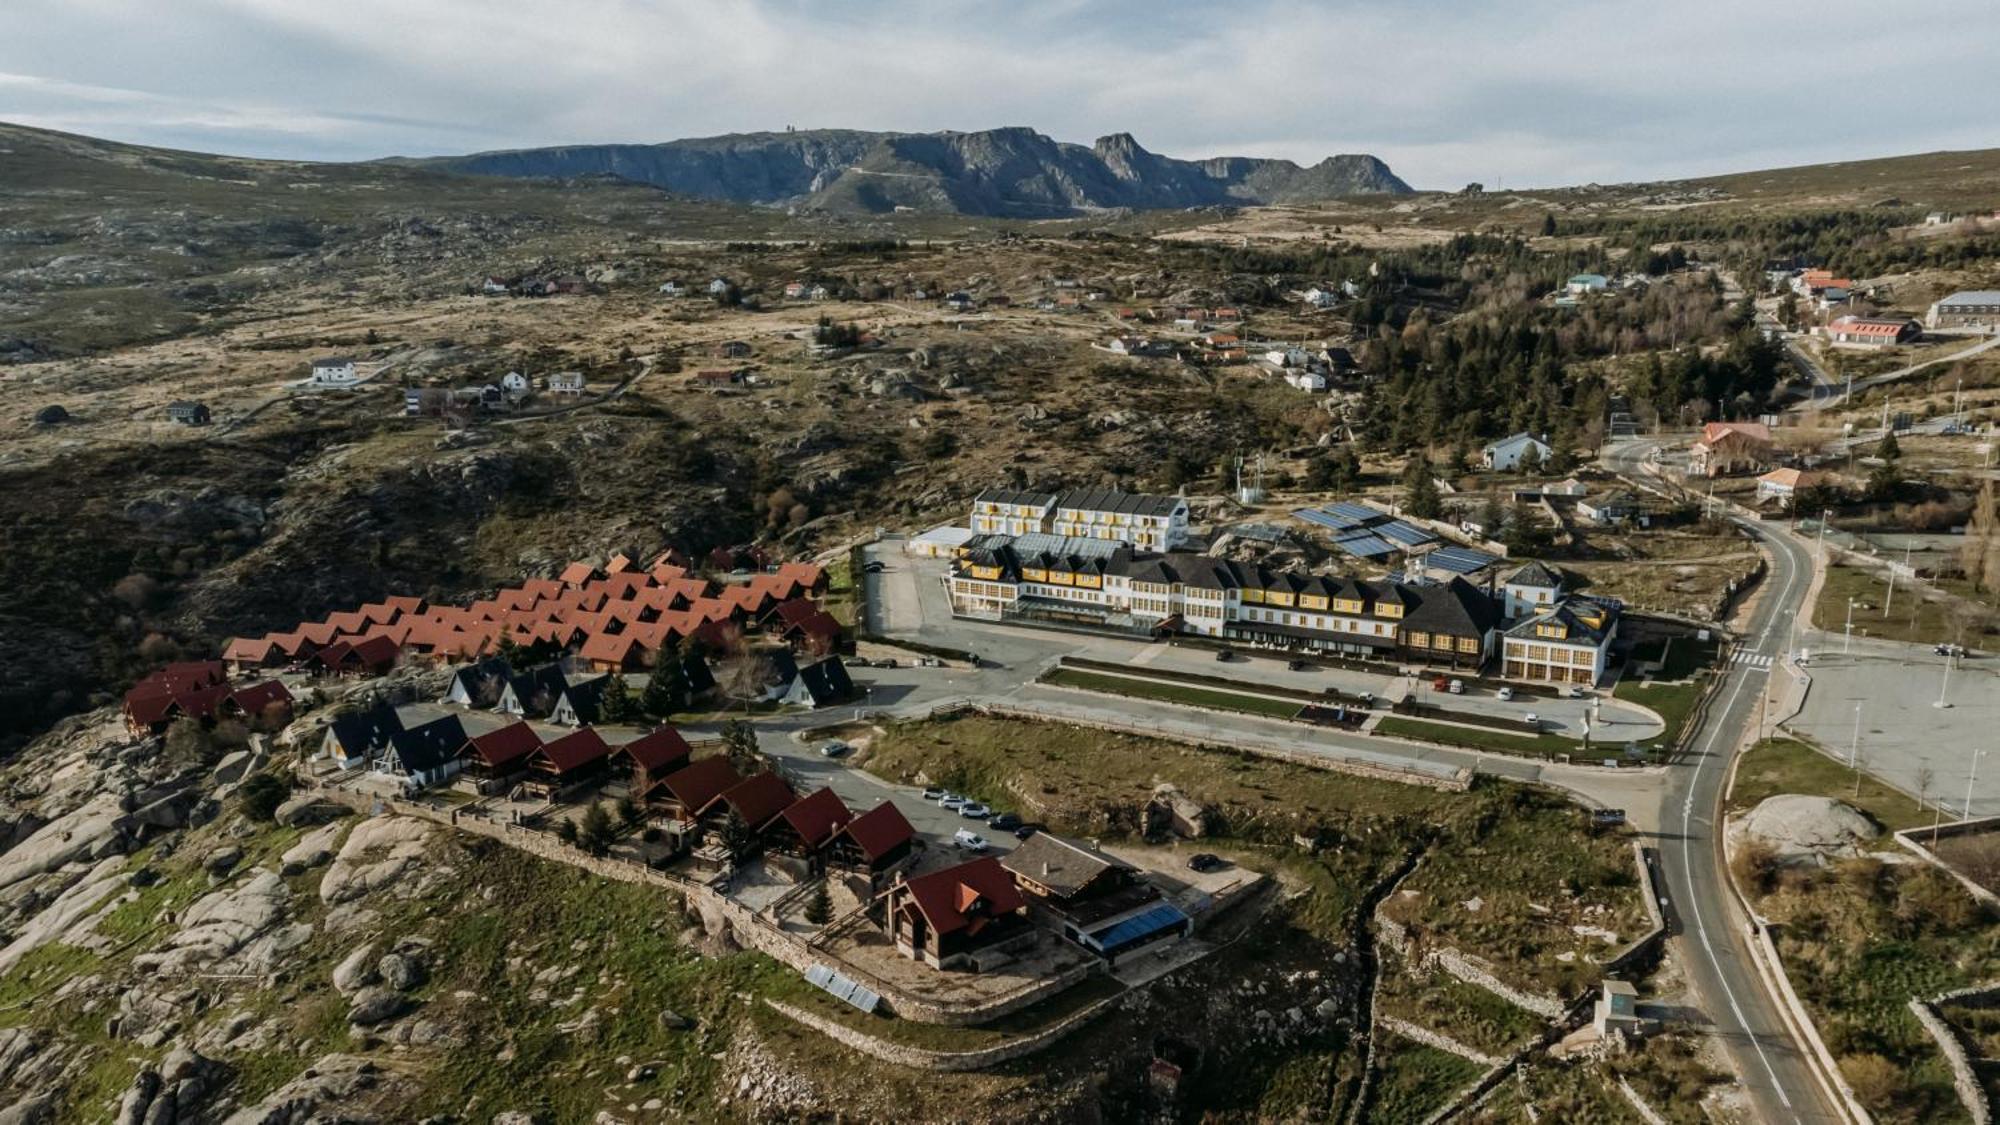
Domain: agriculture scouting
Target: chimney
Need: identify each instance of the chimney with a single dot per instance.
(1045, 869)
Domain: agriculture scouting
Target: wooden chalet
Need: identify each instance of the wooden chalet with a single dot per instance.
(498, 755)
(647, 760)
(873, 844)
(948, 918)
(681, 795)
(573, 758)
(808, 824)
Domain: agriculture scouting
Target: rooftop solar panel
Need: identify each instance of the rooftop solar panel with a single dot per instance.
(1408, 534)
(1366, 546)
(1321, 519)
(1459, 560)
(1359, 513)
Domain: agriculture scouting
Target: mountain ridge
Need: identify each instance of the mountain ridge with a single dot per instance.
(1009, 172)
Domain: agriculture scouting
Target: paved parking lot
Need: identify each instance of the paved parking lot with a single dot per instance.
(1901, 732)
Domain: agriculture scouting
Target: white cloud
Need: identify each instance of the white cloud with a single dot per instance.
(1535, 92)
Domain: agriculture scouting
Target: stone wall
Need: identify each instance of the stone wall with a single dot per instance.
(924, 1059)
(1639, 1105)
(1431, 1038)
(1908, 838)
(1963, 1078)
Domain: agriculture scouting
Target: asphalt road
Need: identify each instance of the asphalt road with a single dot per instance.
(1710, 932)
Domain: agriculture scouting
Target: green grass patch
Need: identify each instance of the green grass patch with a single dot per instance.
(1184, 694)
(1785, 765)
(1415, 1080)
(1673, 702)
(1452, 1008)
(1909, 617)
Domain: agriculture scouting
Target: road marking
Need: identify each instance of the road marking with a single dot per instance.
(1687, 860)
(1752, 659)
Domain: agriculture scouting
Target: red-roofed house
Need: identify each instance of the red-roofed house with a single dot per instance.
(577, 756)
(267, 704)
(947, 918)
(1782, 485)
(1871, 332)
(576, 574)
(1729, 447)
(499, 754)
(245, 653)
(875, 843)
(809, 823)
(648, 759)
(757, 799)
(681, 795)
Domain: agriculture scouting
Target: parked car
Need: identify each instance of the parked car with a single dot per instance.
(1949, 650)
(1440, 683)
(930, 662)
(1225, 655)
(886, 662)
(1506, 695)
(872, 566)
(1534, 720)
(952, 801)
(1205, 861)
(1005, 822)
(1458, 687)
(965, 839)
(973, 810)
(933, 792)
(834, 749)
(856, 662)
(1295, 664)
(1576, 692)
(1026, 830)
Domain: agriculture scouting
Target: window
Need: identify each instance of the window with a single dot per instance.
(1420, 640)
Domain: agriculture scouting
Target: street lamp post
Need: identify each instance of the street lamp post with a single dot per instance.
(1847, 641)
(1854, 751)
(1944, 686)
(1969, 779)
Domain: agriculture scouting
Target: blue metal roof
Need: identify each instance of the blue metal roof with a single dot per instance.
(1459, 560)
(1408, 534)
(1366, 546)
(1140, 925)
(1359, 513)
(1321, 519)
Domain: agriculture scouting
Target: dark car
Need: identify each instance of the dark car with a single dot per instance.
(1026, 830)
(1205, 861)
(1004, 822)
(1224, 654)
(872, 567)
(1295, 664)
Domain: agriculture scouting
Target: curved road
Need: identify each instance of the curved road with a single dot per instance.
(1708, 926)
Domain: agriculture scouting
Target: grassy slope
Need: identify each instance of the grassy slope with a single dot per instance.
(1783, 765)
(1174, 693)
(1416, 1080)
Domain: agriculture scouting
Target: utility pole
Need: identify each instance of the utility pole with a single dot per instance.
(1854, 751)
(1891, 599)
(1969, 779)
(1942, 702)
(1847, 641)
(1825, 517)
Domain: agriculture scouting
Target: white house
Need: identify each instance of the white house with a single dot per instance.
(333, 371)
(1306, 379)
(1321, 298)
(424, 755)
(1609, 509)
(515, 383)
(1567, 643)
(1783, 484)
(672, 289)
(1531, 589)
(566, 383)
(718, 287)
(1587, 283)
(1505, 455)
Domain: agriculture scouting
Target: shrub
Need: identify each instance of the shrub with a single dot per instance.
(261, 795)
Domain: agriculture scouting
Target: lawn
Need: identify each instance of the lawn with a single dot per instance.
(1416, 1080)
(1913, 618)
(1785, 765)
(1673, 702)
(1479, 738)
(1183, 694)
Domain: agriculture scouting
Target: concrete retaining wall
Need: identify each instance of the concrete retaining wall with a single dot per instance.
(1772, 968)
(1908, 838)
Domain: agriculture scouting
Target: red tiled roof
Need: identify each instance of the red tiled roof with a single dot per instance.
(758, 799)
(200, 703)
(879, 831)
(611, 647)
(256, 650)
(1716, 431)
(574, 750)
(700, 782)
(503, 745)
(656, 749)
(817, 816)
(577, 573)
(253, 700)
(948, 898)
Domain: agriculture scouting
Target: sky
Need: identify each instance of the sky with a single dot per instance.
(1512, 94)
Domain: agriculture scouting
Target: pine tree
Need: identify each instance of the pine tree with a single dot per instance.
(630, 814)
(1420, 491)
(616, 705)
(736, 834)
(1548, 224)
(566, 831)
(667, 688)
(1979, 558)
(597, 832)
(1890, 449)
(740, 739)
(819, 908)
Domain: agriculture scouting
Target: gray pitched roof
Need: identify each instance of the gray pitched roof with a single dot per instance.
(1063, 866)
(1121, 503)
(1014, 496)
(1537, 576)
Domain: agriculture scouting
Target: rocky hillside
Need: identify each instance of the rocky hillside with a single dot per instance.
(1012, 172)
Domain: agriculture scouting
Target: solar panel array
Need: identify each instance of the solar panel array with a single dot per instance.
(1459, 560)
(854, 992)
(1322, 519)
(1354, 513)
(1408, 534)
(1365, 545)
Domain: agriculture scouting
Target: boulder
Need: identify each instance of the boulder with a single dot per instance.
(377, 853)
(313, 849)
(35, 1110)
(1805, 829)
(401, 971)
(222, 861)
(307, 809)
(375, 1004)
(356, 971)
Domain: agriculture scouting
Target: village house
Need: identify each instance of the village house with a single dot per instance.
(1971, 308)
(424, 755)
(494, 286)
(1507, 454)
(754, 802)
(479, 685)
(673, 288)
(490, 761)
(1584, 283)
(1781, 486)
(1306, 379)
(1613, 508)
(566, 383)
(822, 683)
(580, 702)
(333, 371)
(188, 413)
(1871, 332)
(719, 376)
(534, 692)
(873, 846)
(644, 762)
(949, 919)
(554, 767)
(1730, 447)
(730, 349)
(354, 737)
(515, 385)
(266, 705)
(805, 828)
(679, 797)
(1095, 900)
